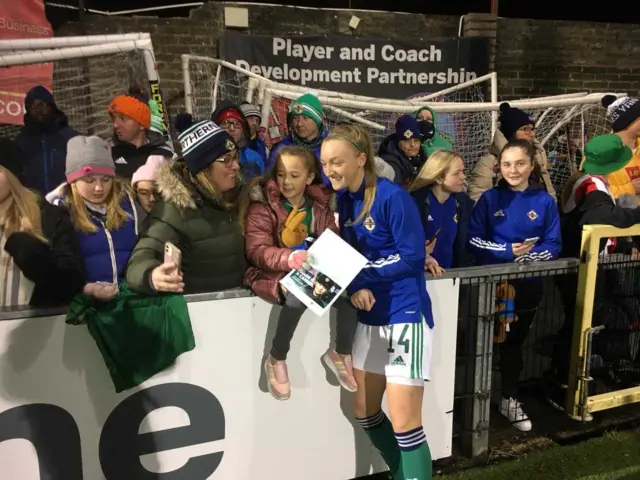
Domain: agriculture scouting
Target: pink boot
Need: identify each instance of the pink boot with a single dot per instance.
(277, 378)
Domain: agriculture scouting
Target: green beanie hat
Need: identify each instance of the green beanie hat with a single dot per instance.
(605, 154)
(309, 106)
(157, 123)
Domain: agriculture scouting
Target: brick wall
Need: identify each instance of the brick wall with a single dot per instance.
(199, 34)
(532, 57)
(548, 57)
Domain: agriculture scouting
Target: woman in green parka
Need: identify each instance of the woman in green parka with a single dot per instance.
(196, 213)
(432, 141)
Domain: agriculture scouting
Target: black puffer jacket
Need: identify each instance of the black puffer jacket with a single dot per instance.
(128, 158)
(57, 269)
(405, 168)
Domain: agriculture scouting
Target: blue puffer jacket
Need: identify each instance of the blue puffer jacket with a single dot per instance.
(257, 144)
(106, 252)
(44, 145)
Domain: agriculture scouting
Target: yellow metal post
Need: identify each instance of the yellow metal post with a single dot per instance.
(618, 398)
(587, 273)
(583, 314)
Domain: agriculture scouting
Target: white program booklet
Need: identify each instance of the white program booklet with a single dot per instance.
(331, 266)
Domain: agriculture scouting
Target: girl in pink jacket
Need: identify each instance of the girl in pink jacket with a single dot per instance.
(285, 211)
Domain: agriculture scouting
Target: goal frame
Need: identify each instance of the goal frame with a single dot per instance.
(265, 86)
(42, 50)
(337, 101)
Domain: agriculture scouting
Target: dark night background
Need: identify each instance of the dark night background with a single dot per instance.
(540, 9)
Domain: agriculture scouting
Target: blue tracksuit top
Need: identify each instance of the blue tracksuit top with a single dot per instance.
(503, 217)
(391, 238)
(439, 221)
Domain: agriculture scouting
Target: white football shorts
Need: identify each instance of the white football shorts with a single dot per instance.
(401, 352)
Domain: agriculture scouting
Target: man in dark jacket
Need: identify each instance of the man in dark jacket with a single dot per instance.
(43, 141)
(254, 118)
(131, 144)
(402, 150)
(307, 127)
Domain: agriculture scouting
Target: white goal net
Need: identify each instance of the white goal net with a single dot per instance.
(465, 114)
(83, 82)
(209, 81)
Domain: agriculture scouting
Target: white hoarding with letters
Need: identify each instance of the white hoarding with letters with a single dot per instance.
(209, 415)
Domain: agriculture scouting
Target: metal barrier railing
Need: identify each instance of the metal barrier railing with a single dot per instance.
(476, 321)
(606, 325)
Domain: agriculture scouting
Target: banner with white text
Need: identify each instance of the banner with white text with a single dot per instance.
(376, 67)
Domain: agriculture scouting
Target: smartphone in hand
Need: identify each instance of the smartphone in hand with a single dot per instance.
(532, 240)
(172, 254)
(435, 237)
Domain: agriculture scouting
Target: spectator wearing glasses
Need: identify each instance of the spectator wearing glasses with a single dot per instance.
(515, 124)
(196, 211)
(230, 117)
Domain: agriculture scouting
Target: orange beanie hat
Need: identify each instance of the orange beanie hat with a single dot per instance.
(132, 107)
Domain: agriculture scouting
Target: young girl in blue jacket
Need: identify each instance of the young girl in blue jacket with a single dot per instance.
(392, 345)
(103, 213)
(516, 221)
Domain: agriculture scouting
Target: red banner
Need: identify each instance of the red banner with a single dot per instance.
(22, 19)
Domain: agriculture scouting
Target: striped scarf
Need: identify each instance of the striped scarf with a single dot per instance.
(15, 288)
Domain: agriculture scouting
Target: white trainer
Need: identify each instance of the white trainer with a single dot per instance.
(512, 409)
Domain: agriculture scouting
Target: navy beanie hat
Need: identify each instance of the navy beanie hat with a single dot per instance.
(513, 119)
(203, 143)
(406, 128)
(621, 112)
(183, 121)
(39, 93)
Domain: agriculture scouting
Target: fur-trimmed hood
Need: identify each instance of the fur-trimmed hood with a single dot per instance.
(269, 193)
(177, 186)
